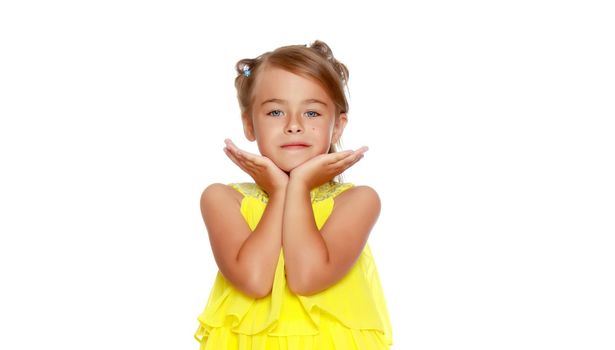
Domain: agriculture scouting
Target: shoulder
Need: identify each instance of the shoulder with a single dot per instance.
(218, 192)
(359, 192)
(359, 196)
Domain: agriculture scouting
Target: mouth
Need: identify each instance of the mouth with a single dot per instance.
(295, 145)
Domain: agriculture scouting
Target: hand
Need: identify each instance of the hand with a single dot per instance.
(325, 167)
(264, 172)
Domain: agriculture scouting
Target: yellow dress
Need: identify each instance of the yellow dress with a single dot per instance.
(351, 314)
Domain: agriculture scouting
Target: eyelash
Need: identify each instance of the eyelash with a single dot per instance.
(277, 110)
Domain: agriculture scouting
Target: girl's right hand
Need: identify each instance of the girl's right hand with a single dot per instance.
(264, 172)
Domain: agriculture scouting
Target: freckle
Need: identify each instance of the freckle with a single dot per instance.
(313, 129)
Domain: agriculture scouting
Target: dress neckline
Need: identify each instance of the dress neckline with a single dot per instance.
(317, 194)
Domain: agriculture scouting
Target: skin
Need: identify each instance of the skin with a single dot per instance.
(314, 259)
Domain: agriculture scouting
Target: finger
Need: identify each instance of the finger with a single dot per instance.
(352, 158)
(337, 156)
(359, 152)
(362, 150)
(252, 159)
(231, 146)
(343, 155)
(248, 156)
(233, 158)
(355, 161)
(246, 166)
(244, 163)
(241, 156)
(343, 167)
(248, 161)
(347, 163)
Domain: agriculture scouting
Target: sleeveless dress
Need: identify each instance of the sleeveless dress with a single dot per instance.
(351, 314)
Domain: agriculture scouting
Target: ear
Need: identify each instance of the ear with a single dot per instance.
(248, 127)
(338, 128)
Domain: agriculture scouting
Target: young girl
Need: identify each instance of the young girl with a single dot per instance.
(295, 269)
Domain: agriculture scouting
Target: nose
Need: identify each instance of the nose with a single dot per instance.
(294, 125)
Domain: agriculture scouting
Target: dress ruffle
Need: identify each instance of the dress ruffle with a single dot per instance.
(351, 314)
(332, 335)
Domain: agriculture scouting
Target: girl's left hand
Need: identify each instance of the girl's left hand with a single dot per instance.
(325, 167)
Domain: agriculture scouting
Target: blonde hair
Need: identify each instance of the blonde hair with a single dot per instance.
(313, 62)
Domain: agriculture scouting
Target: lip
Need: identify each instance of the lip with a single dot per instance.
(295, 145)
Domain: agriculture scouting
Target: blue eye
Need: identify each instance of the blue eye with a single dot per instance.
(277, 113)
(271, 113)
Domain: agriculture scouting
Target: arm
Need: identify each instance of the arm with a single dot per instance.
(315, 259)
(247, 259)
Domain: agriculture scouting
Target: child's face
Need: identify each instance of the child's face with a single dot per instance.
(295, 127)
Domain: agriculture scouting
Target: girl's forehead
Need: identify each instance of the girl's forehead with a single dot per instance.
(281, 84)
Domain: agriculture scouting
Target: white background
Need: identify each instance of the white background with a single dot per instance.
(490, 127)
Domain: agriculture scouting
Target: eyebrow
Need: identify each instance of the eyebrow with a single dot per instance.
(308, 101)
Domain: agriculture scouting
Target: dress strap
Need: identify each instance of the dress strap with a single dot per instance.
(329, 190)
(249, 189)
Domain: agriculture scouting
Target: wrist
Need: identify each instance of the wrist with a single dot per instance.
(276, 191)
(278, 195)
(297, 183)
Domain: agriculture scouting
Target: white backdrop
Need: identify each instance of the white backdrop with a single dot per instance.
(490, 127)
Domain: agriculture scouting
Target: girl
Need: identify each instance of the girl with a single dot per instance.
(295, 271)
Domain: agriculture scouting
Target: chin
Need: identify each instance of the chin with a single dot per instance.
(291, 163)
(288, 167)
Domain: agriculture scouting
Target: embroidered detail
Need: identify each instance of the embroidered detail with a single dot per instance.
(328, 190)
(251, 190)
(325, 191)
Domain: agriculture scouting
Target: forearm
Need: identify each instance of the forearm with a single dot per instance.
(305, 250)
(260, 252)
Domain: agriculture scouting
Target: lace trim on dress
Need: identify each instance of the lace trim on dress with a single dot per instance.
(251, 190)
(325, 191)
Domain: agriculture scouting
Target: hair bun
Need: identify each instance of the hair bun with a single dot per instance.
(325, 51)
(242, 65)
